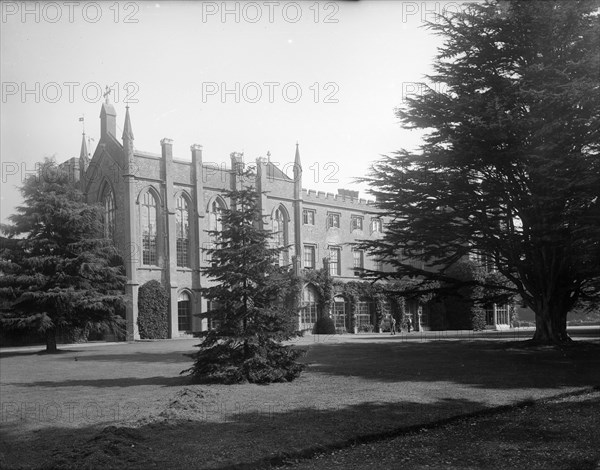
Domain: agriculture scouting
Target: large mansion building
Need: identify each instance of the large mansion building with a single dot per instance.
(158, 209)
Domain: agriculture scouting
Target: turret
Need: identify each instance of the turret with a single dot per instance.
(128, 137)
(297, 167)
(108, 118)
(84, 161)
(297, 207)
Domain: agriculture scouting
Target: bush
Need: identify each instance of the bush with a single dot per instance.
(324, 326)
(523, 324)
(73, 335)
(226, 362)
(153, 307)
(477, 318)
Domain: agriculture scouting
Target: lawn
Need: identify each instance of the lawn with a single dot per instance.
(559, 433)
(127, 406)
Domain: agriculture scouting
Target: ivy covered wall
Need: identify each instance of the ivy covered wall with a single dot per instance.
(444, 307)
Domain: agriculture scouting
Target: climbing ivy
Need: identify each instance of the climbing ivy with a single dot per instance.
(462, 308)
(153, 316)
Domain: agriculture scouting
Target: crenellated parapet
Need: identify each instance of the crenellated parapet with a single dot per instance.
(342, 200)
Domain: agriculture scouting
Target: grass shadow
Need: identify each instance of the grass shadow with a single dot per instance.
(202, 436)
(483, 364)
(261, 435)
(143, 357)
(106, 383)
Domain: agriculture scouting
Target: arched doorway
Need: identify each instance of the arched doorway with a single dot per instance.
(340, 313)
(309, 311)
(412, 320)
(385, 319)
(184, 312)
(497, 316)
(364, 316)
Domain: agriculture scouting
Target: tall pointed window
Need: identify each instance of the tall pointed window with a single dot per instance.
(214, 216)
(149, 229)
(108, 213)
(280, 234)
(183, 231)
(215, 224)
(184, 317)
(308, 313)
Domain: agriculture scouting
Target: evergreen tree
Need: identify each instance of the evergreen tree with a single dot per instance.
(58, 275)
(510, 165)
(249, 314)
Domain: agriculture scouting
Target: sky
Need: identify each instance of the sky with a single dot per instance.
(251, 77)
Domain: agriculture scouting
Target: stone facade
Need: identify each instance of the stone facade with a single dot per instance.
(314, 224)
(158, 209)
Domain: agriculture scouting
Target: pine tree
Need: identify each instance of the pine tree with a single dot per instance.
(58, 275)
(510, 163)
(249, 312)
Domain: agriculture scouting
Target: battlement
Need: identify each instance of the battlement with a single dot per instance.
(344, 197)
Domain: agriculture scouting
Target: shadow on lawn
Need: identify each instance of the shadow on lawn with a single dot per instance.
(6, 354)
(170, 357)
(92, 355)
(104, 383)
(189, 435)
(193, 434)
(484, 364)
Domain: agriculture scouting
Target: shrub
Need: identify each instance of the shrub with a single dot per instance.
(226, 362)
(153, 318)
(73, 335)
(523, 324)
(477, 318)
(324, 326)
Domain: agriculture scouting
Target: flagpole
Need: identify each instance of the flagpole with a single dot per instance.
(90, 140)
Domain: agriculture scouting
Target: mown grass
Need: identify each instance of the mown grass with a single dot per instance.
(552, 434)
(126, 406)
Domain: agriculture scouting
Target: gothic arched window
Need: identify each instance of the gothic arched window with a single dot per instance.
(183, 231)
(149, 229)
(280, 234)
(214, 216)
(108, 213)
(184, 312)
(308, 313)
(215, 224)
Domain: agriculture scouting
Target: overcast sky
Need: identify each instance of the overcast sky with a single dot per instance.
(252, 77)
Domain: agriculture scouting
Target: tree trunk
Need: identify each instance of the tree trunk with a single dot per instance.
(51, 341)
(245, 322)
(550, 325)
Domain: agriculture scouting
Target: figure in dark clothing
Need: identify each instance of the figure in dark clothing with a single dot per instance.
(408, 323)
(392, 325)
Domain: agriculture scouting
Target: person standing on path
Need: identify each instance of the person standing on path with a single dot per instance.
(392, 325)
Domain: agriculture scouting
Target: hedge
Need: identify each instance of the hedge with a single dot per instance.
(153, 308)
